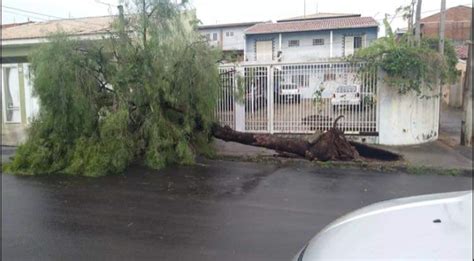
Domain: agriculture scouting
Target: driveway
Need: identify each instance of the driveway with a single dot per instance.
(450, 125)
(214, 211)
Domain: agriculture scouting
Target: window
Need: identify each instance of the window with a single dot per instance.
(293, 43)
(11, 91)
(318, 41)
(357, 42)
(214, 36)
(229, 34)
(208, 37)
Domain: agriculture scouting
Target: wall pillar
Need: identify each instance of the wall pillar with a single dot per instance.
(239, 106)
(331, 40)
(21, 82)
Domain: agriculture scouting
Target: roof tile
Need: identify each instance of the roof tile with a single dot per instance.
(77, 26)
(312, 25)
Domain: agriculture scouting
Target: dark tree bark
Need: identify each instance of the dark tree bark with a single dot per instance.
(331, 145)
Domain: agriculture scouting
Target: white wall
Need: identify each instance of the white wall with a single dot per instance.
(212, 42)
(406, 119)
(306, 51)
(227, 43)
(235, 42)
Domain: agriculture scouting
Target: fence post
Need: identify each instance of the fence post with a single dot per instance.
(378, 105)
(270, 99)
(239, 107)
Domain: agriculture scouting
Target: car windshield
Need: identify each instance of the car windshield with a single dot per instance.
(345, 89)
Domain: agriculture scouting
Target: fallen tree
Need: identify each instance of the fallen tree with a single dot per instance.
(331, 145)
(146, 97)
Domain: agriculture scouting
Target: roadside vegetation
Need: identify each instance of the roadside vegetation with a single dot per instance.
(410, 66)
(143, 94)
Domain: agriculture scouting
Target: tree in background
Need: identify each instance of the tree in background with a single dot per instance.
(145, 94)
(411, 65)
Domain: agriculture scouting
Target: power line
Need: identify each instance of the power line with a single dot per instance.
(31, 12)
(45, 15)
(24, 15)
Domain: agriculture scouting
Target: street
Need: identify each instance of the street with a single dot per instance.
(216, 210)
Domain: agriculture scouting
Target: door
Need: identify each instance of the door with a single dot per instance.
(354, 43)
(11, 94)
(264, 51)
(348, 45)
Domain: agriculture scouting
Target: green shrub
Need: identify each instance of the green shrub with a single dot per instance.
(410, 67)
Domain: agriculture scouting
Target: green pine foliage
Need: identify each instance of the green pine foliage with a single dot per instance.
(144, 94)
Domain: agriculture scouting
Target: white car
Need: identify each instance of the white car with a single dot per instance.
(431, 227)
(346, 95)
(288, 92)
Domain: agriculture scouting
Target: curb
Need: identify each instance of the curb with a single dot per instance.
(383, 166)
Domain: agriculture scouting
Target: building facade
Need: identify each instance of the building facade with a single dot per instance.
(18, 104)
(457, 27)
(310, 39)
(228, 37)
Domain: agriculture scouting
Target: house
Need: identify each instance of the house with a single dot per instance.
(457, 27)
(18, 105)
(228, 37)
(458, 30)
(315, 37)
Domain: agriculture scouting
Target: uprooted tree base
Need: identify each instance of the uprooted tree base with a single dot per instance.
(331, 145)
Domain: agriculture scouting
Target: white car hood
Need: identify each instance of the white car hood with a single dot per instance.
(406, 228)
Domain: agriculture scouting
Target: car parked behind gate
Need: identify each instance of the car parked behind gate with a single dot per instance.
(286, 92)
(346, 95)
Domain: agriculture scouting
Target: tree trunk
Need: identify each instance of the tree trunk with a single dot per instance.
(331, 145)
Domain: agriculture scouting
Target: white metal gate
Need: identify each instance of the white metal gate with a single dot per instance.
(299, 98)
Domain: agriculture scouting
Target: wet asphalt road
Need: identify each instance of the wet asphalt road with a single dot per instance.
(215, 211)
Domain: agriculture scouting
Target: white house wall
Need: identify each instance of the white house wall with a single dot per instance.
(212, 42)
(235, 42)
(227, 43)
(307, 51)
(406, 119)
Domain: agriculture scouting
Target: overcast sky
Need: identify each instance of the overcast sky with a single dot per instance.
(220, 11)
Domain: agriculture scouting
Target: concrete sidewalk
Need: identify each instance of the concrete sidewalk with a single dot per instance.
(430, 155)
(435, 155)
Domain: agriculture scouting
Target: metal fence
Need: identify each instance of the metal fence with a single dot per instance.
(225, 101)
(298, 98)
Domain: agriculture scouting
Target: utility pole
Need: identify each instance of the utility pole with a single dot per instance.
(466, 124)
(411, 17)
(121, 19)
(417, 22)
(442, 24)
